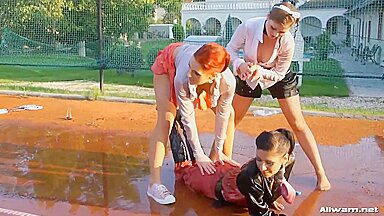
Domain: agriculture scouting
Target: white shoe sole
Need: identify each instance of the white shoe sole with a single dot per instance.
(161, 201)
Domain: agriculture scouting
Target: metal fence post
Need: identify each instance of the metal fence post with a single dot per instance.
(101, 44)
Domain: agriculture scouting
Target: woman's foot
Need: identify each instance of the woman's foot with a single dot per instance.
(323, 183)
(160, 194)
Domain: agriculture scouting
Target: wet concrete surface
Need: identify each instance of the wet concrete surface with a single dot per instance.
(67, 171)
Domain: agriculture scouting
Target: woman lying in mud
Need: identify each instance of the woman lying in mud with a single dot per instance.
(188, 76)
(256, 185)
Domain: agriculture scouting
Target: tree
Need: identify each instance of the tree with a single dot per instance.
(127, 17)
(172, 9)
(70, 21)
(228, 29)
(193, 27)
(33, 18)
(178, 32)
(323, 45)
(212, 27)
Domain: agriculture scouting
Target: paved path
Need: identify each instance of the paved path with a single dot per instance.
(362, 87)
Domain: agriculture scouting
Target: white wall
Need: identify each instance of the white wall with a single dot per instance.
(311, 26)
(364, 17)
(203, 16)
(341, 30)
(161, 30)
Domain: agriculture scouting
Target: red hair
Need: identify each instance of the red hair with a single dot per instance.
(212, 57)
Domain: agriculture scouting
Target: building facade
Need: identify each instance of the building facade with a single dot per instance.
(349, 22)
(368, 27)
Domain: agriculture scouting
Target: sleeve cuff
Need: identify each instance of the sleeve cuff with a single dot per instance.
(236, 64)
(220, 145)
(198, 154)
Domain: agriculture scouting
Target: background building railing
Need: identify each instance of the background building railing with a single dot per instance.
(237, 5)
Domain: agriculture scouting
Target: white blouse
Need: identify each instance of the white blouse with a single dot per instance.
(222, 97)
(247, 37)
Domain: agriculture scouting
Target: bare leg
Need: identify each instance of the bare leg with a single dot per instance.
(292, 111)
(241, 105)
(166, 112)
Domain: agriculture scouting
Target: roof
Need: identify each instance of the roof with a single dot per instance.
(317, 4)
(365, 3)
(203, 39)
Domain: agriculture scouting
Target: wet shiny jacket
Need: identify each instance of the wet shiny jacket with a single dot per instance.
(255, 187)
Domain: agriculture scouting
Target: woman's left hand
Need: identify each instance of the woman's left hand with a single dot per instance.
(221, 158)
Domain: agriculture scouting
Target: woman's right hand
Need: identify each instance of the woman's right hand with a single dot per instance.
(205, 164)
(244, 71)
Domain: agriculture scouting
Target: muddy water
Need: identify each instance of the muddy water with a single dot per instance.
(50, 170)
(356, 172)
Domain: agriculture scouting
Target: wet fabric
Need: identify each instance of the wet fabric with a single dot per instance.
(260, 192)
(204, 184)
(180, 146)
(244, 186)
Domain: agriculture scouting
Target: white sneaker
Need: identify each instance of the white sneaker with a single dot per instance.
(160, 194)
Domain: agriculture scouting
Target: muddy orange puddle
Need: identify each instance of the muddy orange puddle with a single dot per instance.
(96, 164)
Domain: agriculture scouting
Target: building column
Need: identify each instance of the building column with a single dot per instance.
(323, 25)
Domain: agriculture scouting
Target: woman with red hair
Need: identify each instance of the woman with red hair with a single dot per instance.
(188, 76)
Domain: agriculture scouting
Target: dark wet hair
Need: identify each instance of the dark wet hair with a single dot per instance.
(281, 140)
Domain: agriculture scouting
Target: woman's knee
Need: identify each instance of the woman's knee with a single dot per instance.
(237, 116)
(240, 107)
(163, 124)
(299, 126)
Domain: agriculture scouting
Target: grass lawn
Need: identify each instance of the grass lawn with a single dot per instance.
(51, 60)
(312, 86)
(323, 86)
(160, 44)
(360, 111)
(48, 74)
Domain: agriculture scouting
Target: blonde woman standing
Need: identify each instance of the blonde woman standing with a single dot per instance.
(268, 50)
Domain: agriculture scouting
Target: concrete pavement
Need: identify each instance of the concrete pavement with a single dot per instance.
(364, 87)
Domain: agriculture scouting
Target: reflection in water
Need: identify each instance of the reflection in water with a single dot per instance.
(99, 169)
(86, 178)
(308, 206)
(85, 172)
(355, 170)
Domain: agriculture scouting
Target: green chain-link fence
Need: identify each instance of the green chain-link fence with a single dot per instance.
(64, 33)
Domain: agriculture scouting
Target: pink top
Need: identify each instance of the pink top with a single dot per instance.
(247, 37)
(186, 94)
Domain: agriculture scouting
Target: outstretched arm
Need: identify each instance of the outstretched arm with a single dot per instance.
(223, 111)
(187, 112)
(237, 43)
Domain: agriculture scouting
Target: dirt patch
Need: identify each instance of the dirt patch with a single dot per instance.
(141, 118)
(96, 163)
